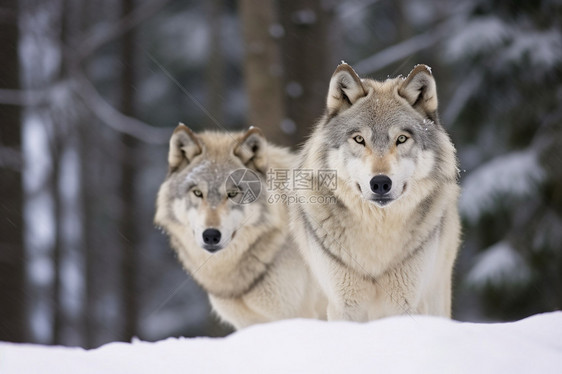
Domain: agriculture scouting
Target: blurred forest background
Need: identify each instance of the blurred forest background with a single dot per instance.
(91, 91)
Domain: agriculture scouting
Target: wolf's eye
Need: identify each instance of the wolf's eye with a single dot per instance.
(232, 193)
(401, 139)
(197, 193)
(359, 139)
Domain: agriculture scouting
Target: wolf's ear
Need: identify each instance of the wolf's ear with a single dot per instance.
(184, 146)
(345, 89)
(251, 149)
(420, 91)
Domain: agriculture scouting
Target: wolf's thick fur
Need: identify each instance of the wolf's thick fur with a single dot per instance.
(389, 243)
(255, 273)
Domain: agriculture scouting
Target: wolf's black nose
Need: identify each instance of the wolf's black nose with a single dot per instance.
(381, 184)
(211, 236)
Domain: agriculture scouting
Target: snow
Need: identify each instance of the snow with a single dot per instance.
(514, 175)
(399, 51)
(276, 30)
(500, 264)
(40, 221)
(304, 17)
(482, 35)
(544, 49)
(406, 344)
(189, 33)
(488, 34)
(288, 126)
(294, 89)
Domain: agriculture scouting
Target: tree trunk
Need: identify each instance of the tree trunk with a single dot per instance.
(86, 139)
(263, 69)
(12, 320)
(127, 225)
(214, 69)
(310, 46)
(58, 311)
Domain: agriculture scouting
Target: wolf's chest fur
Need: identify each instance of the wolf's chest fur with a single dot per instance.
(372, 240)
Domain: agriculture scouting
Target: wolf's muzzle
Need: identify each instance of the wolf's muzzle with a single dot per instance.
(381, 185)
(211, 238)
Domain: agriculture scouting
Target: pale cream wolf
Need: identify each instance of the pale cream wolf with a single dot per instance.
(236, 245)
(388, 244)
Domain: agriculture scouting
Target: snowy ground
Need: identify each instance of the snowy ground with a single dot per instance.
(411, 344)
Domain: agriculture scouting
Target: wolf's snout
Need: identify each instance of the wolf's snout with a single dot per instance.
(211, 236)
(381, 184)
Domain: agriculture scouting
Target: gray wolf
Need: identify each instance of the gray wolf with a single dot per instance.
(239, 251)
(388, 244)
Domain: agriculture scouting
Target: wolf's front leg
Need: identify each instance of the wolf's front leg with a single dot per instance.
(346, 313)
(352, 298)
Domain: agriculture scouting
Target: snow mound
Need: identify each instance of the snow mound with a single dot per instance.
(406, 344)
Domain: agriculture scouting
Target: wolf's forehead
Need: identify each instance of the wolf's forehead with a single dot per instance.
(211, 172)
(380, 114)
(378, 118)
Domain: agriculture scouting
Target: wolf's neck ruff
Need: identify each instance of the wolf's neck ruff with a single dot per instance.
(243, 276)
(409, 225)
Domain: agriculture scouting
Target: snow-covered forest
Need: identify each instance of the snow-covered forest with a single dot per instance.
(91, 91)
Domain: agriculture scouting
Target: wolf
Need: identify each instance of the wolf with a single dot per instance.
(388, 242)
(214, 207)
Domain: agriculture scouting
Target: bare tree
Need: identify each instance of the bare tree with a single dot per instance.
(12, 327)
(310, 47)
(263, 68)
(127, 226)
(215, 69)
(68, 257)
